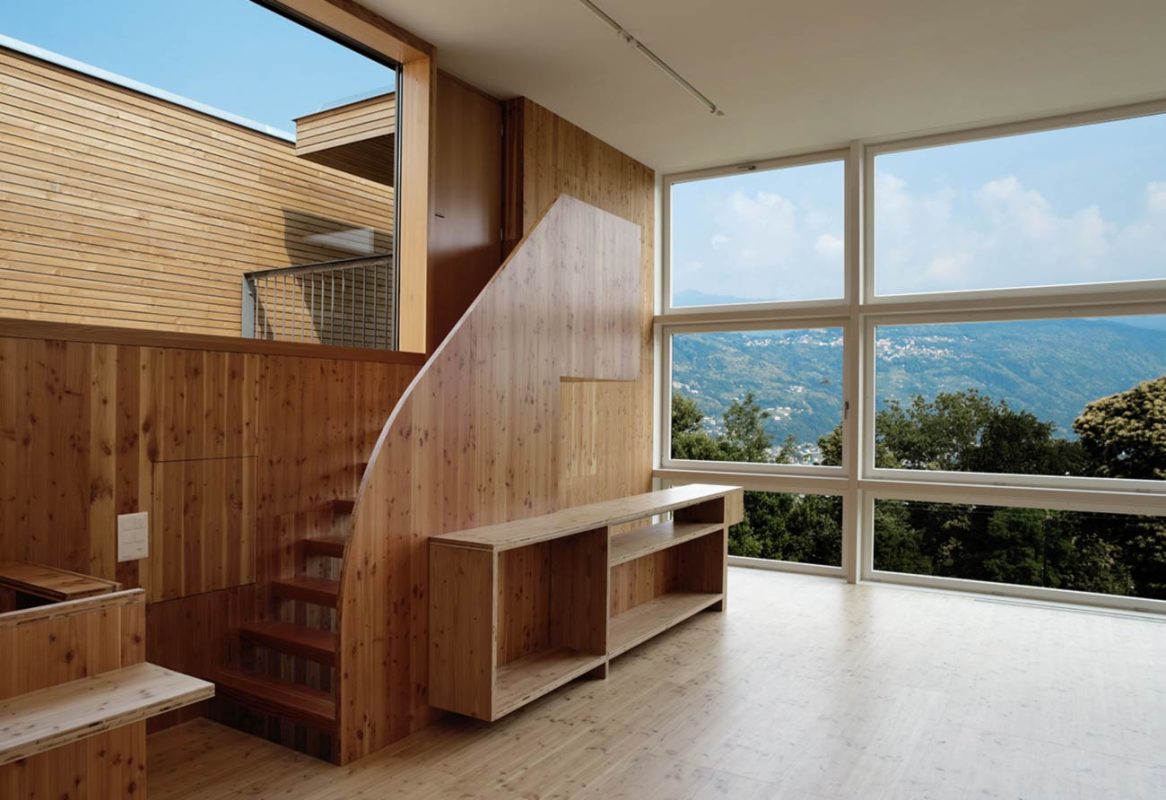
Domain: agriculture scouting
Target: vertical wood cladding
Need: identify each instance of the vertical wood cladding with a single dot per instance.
(225, 448)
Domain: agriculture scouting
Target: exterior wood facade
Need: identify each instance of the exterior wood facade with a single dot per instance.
(125, 210)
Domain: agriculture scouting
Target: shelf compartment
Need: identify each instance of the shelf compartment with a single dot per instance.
(653, 538)
(532, 676)
(644, 621)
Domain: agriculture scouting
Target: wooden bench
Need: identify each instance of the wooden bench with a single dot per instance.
(521, 608)
(69, 712)
(75, 692)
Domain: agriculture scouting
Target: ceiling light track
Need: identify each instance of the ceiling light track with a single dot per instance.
(655, 59)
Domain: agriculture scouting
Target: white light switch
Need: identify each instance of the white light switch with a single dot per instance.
(133, 536)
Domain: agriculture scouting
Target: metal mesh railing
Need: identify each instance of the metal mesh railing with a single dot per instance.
(351, 303)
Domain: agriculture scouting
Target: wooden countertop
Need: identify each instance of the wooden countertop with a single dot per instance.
(532, 530)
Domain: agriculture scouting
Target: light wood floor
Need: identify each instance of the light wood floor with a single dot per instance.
(806, 688)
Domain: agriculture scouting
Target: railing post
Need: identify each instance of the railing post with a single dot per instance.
(248, 310)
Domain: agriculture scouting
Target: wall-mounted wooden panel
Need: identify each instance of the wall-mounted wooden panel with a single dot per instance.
(202, 532)
(232, 452)
(126, 210)
(475, 441)
(465, 248)
(607, 429)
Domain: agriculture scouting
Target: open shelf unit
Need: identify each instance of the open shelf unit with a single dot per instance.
(519, 609)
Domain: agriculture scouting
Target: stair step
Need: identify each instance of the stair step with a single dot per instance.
(320, 591)
(332, 546)
(340, 505)
(294, 702)
(296, 640)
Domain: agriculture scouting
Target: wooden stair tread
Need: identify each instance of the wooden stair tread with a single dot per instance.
(292, 701)
(287, 637)
(324, 546)
(320, 591)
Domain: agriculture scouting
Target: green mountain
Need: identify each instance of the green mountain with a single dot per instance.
(1049, 367)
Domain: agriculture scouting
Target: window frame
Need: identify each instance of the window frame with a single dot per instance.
(858, 481)
(665, 337)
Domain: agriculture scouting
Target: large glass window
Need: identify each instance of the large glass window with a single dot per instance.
(800, 528)
(1116, 554)
(156, 155)
(989, 396)
(760, 396)
(758, 236)
(1076, 397)
(1080, 205)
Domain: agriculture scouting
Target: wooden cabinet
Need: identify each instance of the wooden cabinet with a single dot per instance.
(519, 609)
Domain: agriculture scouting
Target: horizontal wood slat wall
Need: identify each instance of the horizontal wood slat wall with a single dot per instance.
(125, 210)
(220, 446)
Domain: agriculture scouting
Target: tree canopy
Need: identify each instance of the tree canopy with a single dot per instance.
(1122, 436)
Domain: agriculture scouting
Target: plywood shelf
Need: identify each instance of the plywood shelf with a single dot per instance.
(525, 532)
(644, 541)
(655, 616)
(69, 712)
(532, 676)
(518, 610)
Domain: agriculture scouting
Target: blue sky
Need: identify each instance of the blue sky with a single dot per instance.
(230, 54)
(1077, 205)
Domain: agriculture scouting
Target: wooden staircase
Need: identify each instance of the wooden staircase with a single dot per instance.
(289, 660)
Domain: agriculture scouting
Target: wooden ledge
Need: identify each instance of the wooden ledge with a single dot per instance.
(52, 583)
(97, 334)
(71, 608)
(532, 530)
(49, 718)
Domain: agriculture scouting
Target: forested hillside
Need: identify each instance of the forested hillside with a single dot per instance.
(1052, 368)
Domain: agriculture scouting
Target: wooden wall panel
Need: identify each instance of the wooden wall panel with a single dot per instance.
(233, 452)
(202, 531)
(610, 422)
(465, 248)
(75, 641)
(475, 441)
(106, 766)
(122, 209)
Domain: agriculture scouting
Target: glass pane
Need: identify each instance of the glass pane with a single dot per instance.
(157, 155)
(805, 528)
(236, 58)
(758, 396)
(1079, 397)
(1073, 206)
(1118, 554)
(758, 237)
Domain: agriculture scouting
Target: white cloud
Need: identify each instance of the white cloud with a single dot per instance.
(828, 246)
(764, 245)
(1006, 234)
(1156, 197)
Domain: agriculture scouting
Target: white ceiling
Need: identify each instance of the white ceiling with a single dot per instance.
(796, 76)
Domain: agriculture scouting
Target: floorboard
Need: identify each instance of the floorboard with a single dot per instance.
(806, 688)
